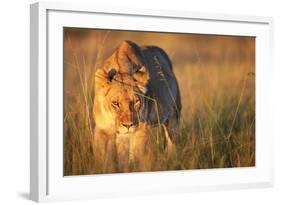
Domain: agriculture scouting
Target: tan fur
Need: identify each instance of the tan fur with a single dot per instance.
(111, 137)
(121, 141)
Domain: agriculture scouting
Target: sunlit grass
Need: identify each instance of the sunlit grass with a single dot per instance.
(217, 125)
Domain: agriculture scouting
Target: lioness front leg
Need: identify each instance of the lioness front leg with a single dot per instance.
(170, 147)
(104, 153)
(122, 148)
(141, 152)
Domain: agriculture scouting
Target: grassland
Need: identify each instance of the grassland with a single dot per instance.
(216, 76)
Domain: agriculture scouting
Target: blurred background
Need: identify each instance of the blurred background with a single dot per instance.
(216, 76)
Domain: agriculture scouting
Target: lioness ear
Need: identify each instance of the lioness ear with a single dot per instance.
(141, 76)
(111, 74)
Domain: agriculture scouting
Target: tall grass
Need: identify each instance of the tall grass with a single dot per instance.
(217, 84)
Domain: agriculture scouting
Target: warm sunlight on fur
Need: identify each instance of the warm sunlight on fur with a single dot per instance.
(151, 101)
(128, 89)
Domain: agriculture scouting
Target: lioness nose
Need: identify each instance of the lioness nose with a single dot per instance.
(127, 125)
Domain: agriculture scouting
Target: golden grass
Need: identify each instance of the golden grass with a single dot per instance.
(217, 84)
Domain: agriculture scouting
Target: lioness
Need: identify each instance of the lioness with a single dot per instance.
(135, 90)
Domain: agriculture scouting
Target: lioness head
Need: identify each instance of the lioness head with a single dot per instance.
(119, 89)
(118, 100)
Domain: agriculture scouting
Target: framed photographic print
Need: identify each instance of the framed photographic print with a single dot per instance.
(127, 102)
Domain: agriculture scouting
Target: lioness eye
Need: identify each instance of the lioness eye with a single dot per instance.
(115, 104)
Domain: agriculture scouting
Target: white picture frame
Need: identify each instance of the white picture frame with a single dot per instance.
(47, 182)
